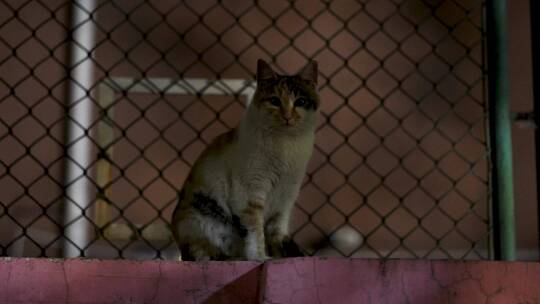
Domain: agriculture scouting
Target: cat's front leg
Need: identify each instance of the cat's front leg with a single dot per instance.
(253, 220)
(278, 241)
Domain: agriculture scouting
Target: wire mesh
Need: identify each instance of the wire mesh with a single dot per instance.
(400, 166)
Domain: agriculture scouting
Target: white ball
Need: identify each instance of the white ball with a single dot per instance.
(346, 239)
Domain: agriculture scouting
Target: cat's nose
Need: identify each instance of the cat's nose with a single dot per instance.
(289, 121)
(287, 115)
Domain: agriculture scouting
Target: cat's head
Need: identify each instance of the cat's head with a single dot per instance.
(286, 103)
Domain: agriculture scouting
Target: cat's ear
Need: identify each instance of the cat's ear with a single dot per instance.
(264, 71)
(309, 72)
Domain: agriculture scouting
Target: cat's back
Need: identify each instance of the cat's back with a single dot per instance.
(221, 143)
(209, 172)
(216, 154)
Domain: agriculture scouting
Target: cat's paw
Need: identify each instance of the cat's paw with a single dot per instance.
(263, 258)
(284, 248)
(291, 249)
(259, 258)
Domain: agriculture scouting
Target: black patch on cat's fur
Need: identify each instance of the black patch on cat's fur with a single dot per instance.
(186, 253)
(242, 231)
(181, 195)
(209, 207)
(291, 249)
(286, 249)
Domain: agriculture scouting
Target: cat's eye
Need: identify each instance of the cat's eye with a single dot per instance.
(300, 102)
(276, 102)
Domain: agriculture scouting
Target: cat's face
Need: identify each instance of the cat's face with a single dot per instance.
(287, 103)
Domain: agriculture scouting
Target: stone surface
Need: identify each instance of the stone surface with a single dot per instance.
(121, 281)
(300, 280)
(400, 281)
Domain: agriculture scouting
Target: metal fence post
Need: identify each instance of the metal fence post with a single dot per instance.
(500, 132)
(78, 188)
(535, 42)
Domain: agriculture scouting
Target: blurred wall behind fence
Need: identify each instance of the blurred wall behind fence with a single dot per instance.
(400, 169)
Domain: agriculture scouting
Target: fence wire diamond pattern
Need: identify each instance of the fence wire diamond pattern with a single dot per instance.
(400, 167)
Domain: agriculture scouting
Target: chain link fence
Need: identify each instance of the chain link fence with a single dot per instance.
(105, 105)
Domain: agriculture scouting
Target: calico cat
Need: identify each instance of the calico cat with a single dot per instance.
(237, 200)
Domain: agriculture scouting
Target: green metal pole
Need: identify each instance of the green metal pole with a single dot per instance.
(500, 131)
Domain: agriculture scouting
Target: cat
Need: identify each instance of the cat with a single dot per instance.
(237, 200)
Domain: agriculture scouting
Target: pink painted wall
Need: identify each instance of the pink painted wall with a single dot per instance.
(108, 281)
(302, 280)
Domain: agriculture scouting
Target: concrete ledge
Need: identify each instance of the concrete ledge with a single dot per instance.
(400, 281)
(301, 280)
(121, 281)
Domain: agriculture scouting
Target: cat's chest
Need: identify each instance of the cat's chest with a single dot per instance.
(273, 177)
(279, 157)
(265, 168)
